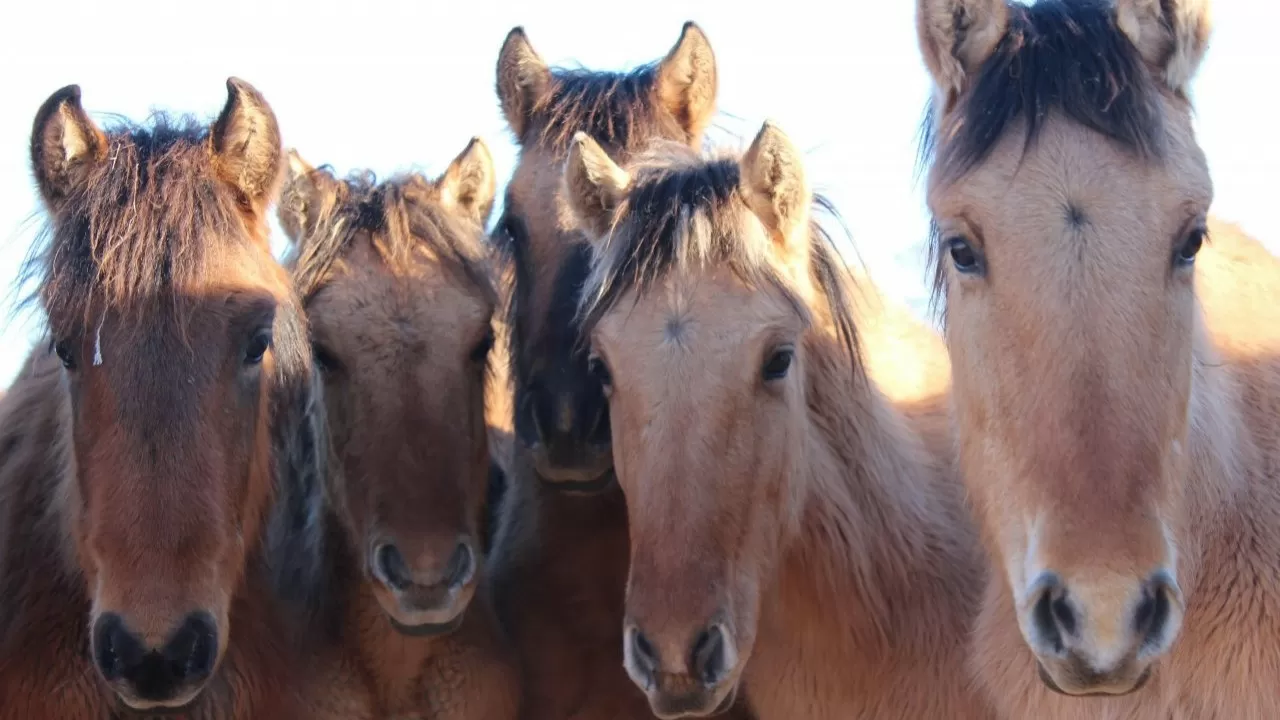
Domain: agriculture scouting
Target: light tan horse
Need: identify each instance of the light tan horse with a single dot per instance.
(795, 526)
(396, 283)
(1116, 363)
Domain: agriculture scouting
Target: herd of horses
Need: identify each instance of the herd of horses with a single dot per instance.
(649, 447)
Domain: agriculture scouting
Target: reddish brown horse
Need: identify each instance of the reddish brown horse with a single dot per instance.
(1116, 363)
(796, 526)
(399, 297)
(158, 457)
(561, 554)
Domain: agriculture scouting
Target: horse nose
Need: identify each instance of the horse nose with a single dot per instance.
(709, 658)
(391, 568)
(161, 674)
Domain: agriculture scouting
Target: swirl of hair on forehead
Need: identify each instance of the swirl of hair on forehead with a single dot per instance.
(403, 217)
(682, 212)
(143, 224)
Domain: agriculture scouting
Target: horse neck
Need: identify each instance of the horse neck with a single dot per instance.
(1234, 434)
(884, 542)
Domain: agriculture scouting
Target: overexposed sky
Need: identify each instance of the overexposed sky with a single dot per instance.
(390, 85)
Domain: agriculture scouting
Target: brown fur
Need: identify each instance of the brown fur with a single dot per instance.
(813, 517)
(399, 298)
(160, 480)
(1117, 406)
(560, 560)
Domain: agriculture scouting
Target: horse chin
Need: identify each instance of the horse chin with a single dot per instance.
(575, 483)
(428, 629)
(1053, 685)
(133, 708)
(696, 705)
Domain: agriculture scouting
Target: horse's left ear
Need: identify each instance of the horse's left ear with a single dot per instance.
(687, 81)
(594, 185)
(246, 142)
(774, 184)
(469, 184)
(1171, 35)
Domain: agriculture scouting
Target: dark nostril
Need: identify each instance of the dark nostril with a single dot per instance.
(643, 655)
(115, 649)
(461, 567)
(391, 568)
(1053, 615)
(1152, 616)
(710, 655)
(193, 650)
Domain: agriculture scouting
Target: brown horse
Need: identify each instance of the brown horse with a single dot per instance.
(1116, 363)
(158, 457)
(559, 563)
(794, 530)
(399, 298)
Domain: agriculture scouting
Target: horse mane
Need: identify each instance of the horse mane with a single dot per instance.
(616, 108)
(141, 225)
(682, 211)
(402, 217)
(1056, 55)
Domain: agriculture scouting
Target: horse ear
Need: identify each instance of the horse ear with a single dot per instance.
(523, 80)
(469, 183)
(65, 144)
(594, 185)
(1171, 35)
(299, 204)
(246, 144)
(773, 181)
(956, 37)
(687, 81)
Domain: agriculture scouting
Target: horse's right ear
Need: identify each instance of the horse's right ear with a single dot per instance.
(65, 144)
(523, 81)
(594, 185)
(687, 81)
(956, 38)
(247, 150)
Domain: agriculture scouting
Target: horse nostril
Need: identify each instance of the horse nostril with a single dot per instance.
(193, 650)
(1152, 617)
(712, 656)
(390, 567)
(461, 567)
(641, 655)
(115, 650)
(1053, 616)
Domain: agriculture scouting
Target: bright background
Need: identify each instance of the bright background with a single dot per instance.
(398, 85)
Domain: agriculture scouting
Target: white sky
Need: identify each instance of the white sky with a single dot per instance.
(396, 85)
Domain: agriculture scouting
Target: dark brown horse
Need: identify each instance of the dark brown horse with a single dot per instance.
(396, 283)
(560, 561)
(158, 456)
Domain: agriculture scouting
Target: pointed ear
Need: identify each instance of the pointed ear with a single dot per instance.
(774, 184)
(299, 203)
(593, 185)
(469, 184)
(246, 145)
(687, 81)
(523, 81)
(956, 38)
(1171, 35)
(65, 144)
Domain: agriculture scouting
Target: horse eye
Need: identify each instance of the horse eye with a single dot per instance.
(779, 363)
(481, 350)
(1190, 247)
(963, 255)
(599, 371)
(325, 360)
(63, 351)
(257, 347)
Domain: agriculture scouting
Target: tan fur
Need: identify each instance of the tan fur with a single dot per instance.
(783, 508)
(1117, 410)
(956, 36)
(402, 326)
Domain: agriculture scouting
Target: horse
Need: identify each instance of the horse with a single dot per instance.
(157, 455)
(1116, 363)
(796, 527)
(560, 552)
(395, 281)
